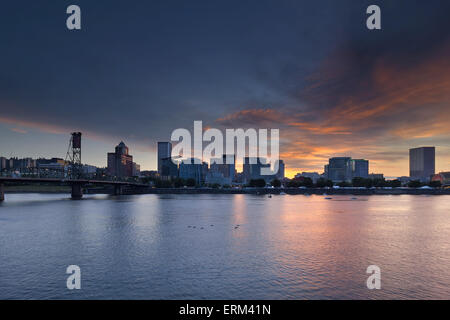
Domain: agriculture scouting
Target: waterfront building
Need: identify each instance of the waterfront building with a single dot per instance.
(360, 168)
(422, 163)
(53, 166)
(376, 176)
(314, 176)
(167, 166)
(404, 179)
(225, 165)
(205, 171)
(88, 171)
(340, 169)
(239, 178)
(150, 173)
(2, 164)
(136, 170)
(120, 162)
(164, 154)
(48, 163)
(17, 164)
(345, 169)
(442, 177)
(325, 171)
(169, 169)
(252, 169)
(215, 177)
(280, 175)
(191, 169)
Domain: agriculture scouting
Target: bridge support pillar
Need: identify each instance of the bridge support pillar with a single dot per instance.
(118, 190)
(77, 191)
(2, 192)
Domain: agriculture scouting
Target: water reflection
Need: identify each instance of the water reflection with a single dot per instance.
(224, 246)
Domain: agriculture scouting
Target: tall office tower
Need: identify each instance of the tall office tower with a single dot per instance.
(230, 165)
(2, 163)
(167, 168)
(422, 163)
(120, 163)
(340, 169)
(164, 154)
(205, 171)
(250, 171)
(360, 168)
(281, 168)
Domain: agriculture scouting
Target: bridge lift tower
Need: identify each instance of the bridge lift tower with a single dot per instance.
(74, 156)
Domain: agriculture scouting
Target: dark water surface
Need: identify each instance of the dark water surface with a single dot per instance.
(285, 247)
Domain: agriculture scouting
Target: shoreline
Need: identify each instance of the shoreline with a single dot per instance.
(312, 191)
(254, 191)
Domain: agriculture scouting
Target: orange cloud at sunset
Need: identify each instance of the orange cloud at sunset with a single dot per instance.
(377, 114)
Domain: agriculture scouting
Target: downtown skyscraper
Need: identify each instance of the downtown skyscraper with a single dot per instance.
(422, 163)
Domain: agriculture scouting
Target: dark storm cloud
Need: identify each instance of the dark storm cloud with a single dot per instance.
(145, 68)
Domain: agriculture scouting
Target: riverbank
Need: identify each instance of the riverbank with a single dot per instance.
(277, 191)
(297, 191)
(256, 191)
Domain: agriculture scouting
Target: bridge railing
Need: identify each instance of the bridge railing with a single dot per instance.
(33, 172)
(45, 173)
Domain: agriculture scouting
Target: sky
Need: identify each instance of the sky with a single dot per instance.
(137, 70)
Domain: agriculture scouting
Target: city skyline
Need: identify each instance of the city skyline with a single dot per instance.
(359, 165)
(313, 70)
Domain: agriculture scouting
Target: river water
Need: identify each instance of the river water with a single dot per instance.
(224, 246)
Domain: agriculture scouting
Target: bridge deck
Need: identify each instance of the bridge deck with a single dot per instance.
(70, 181)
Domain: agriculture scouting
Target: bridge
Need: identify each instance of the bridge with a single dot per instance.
(76, 184)
(73, 177)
